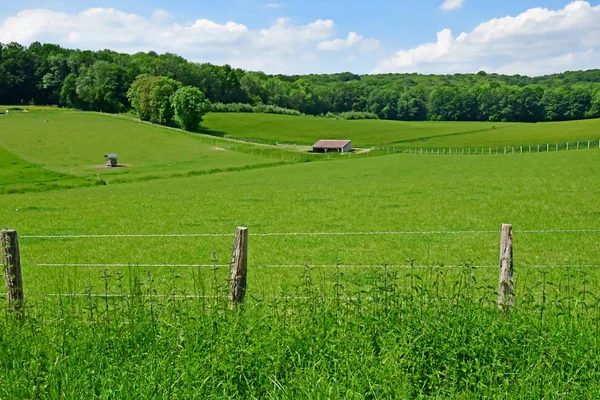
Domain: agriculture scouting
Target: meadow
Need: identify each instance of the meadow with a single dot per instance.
(270, 129)
(331, 310)
(74, 143)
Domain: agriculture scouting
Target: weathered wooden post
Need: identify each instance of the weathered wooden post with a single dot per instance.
(506, 284)
(11, 261)
(239, 266)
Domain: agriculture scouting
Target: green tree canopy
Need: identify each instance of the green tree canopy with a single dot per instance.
(190, 107)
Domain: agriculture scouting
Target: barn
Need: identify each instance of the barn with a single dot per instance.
(328, 146)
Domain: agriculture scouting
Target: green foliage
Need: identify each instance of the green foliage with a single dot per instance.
(151, 98)
(139, 95)
(232, 107)
(595, 108)
(352, 115)
(44, 74)
(101, 87)
(190, 106)
(164, 89)
(68, 93)
(271, 109)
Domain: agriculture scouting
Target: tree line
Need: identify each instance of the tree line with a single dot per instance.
(47, 74)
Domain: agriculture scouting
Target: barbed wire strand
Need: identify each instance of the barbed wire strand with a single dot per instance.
(175, 235)
(316, 266)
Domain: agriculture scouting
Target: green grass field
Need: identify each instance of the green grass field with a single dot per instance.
(365, 133)
(330, 311)
(17, 176)
(74, 142)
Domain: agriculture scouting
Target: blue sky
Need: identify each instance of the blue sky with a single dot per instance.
(528, 36)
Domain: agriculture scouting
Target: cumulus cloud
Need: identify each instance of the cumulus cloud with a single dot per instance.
(354, 40)
(537, 41)
(281, 47)
(450, 5)
(161, 15)
(273, 5)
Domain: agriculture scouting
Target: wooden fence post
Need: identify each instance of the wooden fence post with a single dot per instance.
(239, 266)
(11, 261)
(506, 284)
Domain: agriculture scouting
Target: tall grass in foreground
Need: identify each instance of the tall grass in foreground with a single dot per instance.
(400, 336)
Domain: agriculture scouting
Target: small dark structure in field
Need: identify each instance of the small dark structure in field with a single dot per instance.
(327, 146)
(111, 160)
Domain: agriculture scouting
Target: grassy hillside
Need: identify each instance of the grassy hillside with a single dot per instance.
(17, 175)
(519, 134)
(306, 130)
(74, 143)
(272, 128)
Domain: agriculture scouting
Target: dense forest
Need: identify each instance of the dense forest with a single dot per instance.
(46, 74)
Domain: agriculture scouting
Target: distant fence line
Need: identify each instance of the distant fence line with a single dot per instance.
(11, 261)
(536, 148)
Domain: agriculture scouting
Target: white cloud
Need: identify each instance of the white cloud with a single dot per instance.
(273, 5)
(450, 5)
(161, 15)
(353, 40)
(538, 41)
(283, 47)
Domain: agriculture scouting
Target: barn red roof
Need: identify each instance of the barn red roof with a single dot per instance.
(331, 144)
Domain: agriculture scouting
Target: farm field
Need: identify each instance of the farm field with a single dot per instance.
(270, 128)
(17, 175)
(74, 143)
(521, 135)
(383, 194)
(368, 277)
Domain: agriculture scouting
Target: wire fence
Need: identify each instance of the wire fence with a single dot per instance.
(398, 233)
(307, 266)
(506, 261)
(483, 150)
